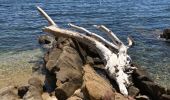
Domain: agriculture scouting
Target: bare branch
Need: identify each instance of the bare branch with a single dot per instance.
(130, 41)
(111, 35)
(99, 38)
(45, 15)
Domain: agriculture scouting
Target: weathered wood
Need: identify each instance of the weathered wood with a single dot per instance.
(43, 13)
(95, 36)
(110, 34)
(115, 63)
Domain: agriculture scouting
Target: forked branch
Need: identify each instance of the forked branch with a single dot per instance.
(115, 63)
(95, 36)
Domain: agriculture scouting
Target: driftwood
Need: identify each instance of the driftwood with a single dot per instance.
(114, 55)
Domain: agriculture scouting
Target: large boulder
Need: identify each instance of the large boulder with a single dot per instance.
(64, 62)
(97, 88)
(69, 72)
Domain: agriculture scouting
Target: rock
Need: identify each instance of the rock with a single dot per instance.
(133, 91)
(140, 74)
(146, 86)
(165, 97)
(51, 59)
(46, 96)
(168, 91)
(166, 34)
(89, 60)
(97, 88)
(47, 41)
(36, 83)
(32, 94)
(74, 98)
(22, 91)
(9, 93)
(50, 82)
(70, 71)
(35, 90)
(151, 89)
(78, 95)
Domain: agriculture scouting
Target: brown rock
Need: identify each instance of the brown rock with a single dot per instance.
(51, 59)
(9, 93)
(78, 95)
(74, 98)
(69, 74)
(35, 90)
(98, 88)
(46, 96)
(32, 94)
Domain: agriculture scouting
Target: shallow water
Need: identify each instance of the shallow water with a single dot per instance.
(144, 20)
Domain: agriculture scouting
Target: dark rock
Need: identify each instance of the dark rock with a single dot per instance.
(82, 52)
(22, 91)
(50, 82)
(168, 91)
(146, 85)
(47, 41)
(151, 89)
(166, 34)
(133, 91)
(97, 60)
(165, 97)
(141, 74)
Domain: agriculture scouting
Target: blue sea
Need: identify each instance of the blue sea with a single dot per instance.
(144, 20)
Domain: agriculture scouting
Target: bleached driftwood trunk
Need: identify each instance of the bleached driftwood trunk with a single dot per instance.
(113, 54)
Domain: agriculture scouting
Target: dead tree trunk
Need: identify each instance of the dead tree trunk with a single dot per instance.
(115, 62)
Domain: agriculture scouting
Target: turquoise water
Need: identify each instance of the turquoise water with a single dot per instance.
(144, 20)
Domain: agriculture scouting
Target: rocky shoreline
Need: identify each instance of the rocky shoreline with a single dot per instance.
(73, 71)
(79, 66)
